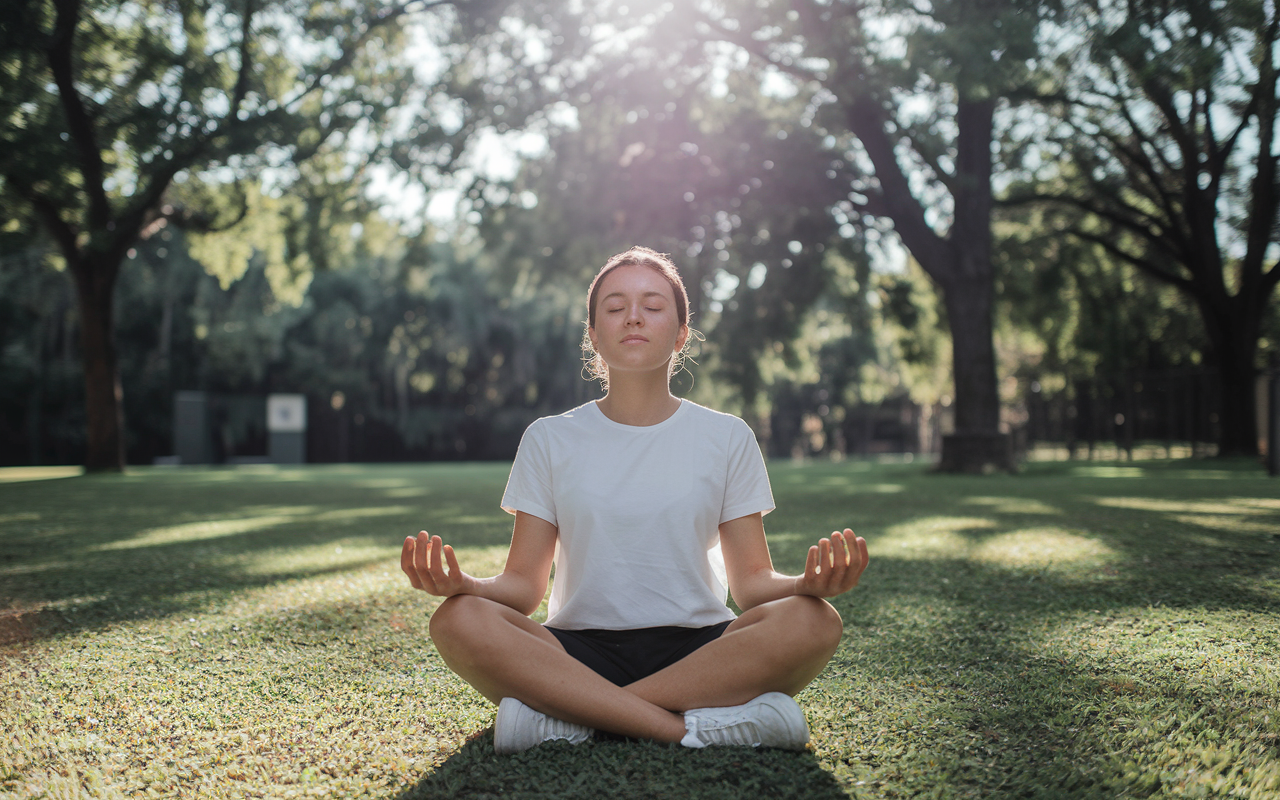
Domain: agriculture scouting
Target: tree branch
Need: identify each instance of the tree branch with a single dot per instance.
(1118, 218)
(79, 124)
(62, 231)
(1145, 143)
(1146, 266)
(242, 76)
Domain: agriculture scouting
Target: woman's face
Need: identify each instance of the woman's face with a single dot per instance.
(636, 327)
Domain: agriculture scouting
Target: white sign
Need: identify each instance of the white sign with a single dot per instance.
(286, 412)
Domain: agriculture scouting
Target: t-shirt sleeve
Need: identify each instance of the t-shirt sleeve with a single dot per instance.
(746, 489)
(529, 486)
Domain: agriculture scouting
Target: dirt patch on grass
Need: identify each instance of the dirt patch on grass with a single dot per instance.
(18, 625)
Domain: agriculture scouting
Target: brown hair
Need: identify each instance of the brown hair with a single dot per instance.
(660, 263)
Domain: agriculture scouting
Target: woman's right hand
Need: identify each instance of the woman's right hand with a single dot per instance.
(424, 559)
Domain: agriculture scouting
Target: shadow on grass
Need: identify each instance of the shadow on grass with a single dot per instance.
(84, 553)
(988, 685)
(625, 770)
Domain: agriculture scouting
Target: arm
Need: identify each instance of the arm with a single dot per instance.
(833, 567)
(521, 584)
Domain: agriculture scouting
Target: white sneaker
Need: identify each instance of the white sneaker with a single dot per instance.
(519, 727)
(770, 720)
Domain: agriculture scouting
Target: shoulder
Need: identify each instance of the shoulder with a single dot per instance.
(709, 416)
(574, 417)
(708, 419)
(569, 423)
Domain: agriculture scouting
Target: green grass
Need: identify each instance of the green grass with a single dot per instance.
(1078, 630)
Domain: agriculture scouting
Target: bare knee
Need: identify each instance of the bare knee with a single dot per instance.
(815, 622)
(457, 619)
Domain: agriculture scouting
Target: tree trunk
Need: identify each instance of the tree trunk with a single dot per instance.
(95, 280)
(968, 305)
(1235, 342)
(977, 444)
(966, 279)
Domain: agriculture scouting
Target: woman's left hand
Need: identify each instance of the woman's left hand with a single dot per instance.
(834, 565)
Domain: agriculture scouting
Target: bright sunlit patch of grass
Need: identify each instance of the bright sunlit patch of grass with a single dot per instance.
(24, 516)
(1013, 505)
(1107, 471)
(1041, 547)
(21, 474)
(1229, 505)
(1231, 514)
(309, 558)
(932, 537)
(201, 531)
(406, 491)
(192, 532)
(1228, 523)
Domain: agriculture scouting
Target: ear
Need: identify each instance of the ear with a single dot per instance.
(591, 334)
(681, 338)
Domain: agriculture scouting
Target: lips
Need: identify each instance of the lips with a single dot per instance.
(634, 339)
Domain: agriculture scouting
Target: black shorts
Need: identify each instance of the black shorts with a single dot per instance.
(624, 657)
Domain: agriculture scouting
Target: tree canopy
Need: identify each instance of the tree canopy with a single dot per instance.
(119, 119)
(846, 186)
(1163, 134)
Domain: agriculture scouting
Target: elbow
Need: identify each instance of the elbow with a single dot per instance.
(741, 599)
(527, 595)
(752, 590)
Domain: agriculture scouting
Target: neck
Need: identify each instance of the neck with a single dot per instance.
(640, 400)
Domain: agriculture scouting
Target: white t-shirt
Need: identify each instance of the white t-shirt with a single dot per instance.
(638, 511)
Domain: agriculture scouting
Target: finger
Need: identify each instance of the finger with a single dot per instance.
(811, 563)
(863, 558)
(824, 557)
(421, 554)
(437, 560)
(839, 557)
(857, 559)
(406, 561)
(846, 538)
(452, 560)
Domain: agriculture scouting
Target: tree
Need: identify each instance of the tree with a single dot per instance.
(907, 99)
(116, 119)
(726, 182)
(1168, 118)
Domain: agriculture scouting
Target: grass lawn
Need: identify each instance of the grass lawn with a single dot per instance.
(1078, 630)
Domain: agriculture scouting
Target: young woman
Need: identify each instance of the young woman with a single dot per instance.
(634, 498)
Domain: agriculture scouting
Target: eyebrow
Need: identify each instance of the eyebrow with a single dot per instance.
(659, 295)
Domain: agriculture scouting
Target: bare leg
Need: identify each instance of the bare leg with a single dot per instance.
(775, 647)
(503, 653)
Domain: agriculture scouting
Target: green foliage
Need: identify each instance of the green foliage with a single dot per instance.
(117, 119)
(1091, 313)
(1077, 631)
(196, 92)
(1160, 130)
(41, 383)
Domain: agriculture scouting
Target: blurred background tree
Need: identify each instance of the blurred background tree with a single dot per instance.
(906, 98)
(121, 119)
(1164, 135)
(845, 189)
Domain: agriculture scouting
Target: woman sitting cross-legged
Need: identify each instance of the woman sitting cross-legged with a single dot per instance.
(634, 498)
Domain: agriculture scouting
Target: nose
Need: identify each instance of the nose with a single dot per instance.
(634, 317)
